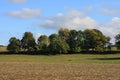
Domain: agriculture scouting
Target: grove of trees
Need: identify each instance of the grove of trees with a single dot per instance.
(117, 40)
(64, 41)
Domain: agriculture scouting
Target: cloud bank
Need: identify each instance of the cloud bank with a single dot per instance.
(25, 13)
(18, 1)
(75, 19)
(72, 20)
(109, 11)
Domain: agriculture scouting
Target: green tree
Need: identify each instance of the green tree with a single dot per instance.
(14, 45)
(80, 37)
(53, 36)
(89, 40)
(58, 46)
(63, 34)
(43, 42)
(28, 41)
(117, 41)
(94, 40)
(75, 40)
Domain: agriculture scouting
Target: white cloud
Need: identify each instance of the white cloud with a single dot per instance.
(37, 36)
(74, 19)
(114, 23)
(25, 13)
(18, 1)
(110, 12)
(108, 31)
(111, 28)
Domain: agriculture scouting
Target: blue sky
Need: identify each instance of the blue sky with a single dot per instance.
(48, 16)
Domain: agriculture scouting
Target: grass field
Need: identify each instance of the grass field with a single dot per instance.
(3, 48)
(60, 67)
(63, 59)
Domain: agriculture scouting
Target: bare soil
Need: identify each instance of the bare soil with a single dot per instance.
(42, 71)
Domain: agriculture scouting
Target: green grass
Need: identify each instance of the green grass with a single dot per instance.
(74, 58)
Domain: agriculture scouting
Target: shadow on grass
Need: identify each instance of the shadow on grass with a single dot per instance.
(102, 53)
(53, 53)
(27, 53)
(22, 53)
(116, 58)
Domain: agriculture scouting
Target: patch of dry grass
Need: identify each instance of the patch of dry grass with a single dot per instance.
(60, 67)
(42, 71)
(3, 48)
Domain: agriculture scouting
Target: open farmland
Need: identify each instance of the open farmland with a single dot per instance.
(33, 71)
(3, 48)
(60, 67)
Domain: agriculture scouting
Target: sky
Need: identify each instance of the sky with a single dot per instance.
(44, 17)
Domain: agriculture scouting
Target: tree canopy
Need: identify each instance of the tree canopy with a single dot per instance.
(117, 40)
(43, 42)
(28, 41)
(57, 46)
(94, 39)
(65, 41)
(14, 45)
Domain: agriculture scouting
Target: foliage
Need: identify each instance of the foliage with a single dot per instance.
(68, 40)
(53, 36)
(43, 42)
(58, 46)
(95, 40)
(117, 40)
(14, 45)
(63, 34)
(75, 40)
(77, 49)
(28, 41)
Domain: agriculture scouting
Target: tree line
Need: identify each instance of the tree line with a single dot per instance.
(64, 41)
